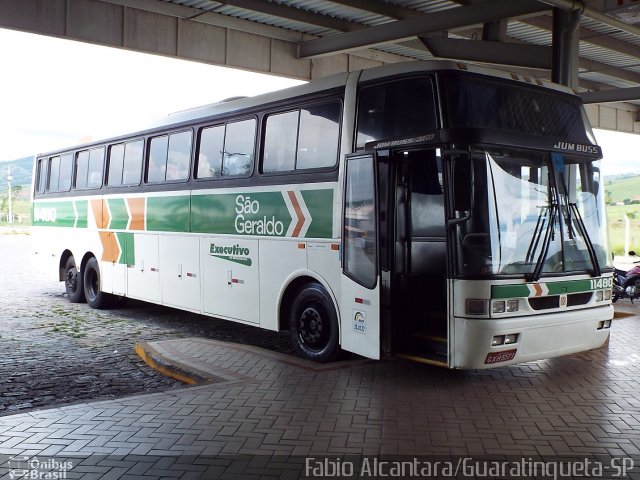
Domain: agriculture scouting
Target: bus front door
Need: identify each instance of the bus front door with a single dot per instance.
(360, 285)
(415, 296)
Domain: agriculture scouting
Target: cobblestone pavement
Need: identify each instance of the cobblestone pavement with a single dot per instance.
(53, 352)
(268, 416)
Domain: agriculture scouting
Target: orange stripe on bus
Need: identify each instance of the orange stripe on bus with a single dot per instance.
(298, 210)
(110, 248)
(136, 207)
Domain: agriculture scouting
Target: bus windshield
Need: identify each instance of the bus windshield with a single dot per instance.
(540, 213)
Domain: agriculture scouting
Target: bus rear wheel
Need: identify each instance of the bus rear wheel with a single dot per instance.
(96, 298)
(73, 282)
(313, 324)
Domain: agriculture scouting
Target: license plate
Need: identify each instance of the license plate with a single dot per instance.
(497, 357)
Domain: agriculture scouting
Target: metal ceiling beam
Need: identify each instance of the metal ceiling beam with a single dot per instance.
(598, 67)
(589, 36)
(489, 11)
(381, 8)
(609, 96)
(500, 53)
(593, 14)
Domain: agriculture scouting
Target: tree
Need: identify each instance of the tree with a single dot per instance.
(15, 193)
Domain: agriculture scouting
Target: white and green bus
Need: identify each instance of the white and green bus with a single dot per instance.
(442, 212)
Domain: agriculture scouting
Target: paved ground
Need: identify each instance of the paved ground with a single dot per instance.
(265, 415)
(53, 352)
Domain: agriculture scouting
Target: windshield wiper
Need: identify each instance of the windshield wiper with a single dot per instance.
(587, 240)
(546, 242)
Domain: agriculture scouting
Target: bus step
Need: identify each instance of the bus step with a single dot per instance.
(436, 360)
(430, 338)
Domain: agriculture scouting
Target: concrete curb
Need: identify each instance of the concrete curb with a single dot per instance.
(171, 367)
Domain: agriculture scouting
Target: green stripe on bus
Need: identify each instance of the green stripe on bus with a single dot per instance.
(254, 213)
(82, 207)
(554, 288)
(320, 206)
(168, 214)
(127, 246)
(119, 215)
(509, 291)
(54, 214)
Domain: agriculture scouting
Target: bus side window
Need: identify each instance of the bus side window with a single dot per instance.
(279, 144)
(54, 174)
(42, 175)
(96, 164)
(318, 136)
(157, 166)
(239, 145)
(132, 166)
(116, 161)
(314, 146)
(169, 157)
(210, 146)
(179, 156)
(400, 108)
(82, 168)
(66, 170)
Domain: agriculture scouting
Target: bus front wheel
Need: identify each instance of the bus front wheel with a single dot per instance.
(96, 298)
(313, 324)
(73, 282)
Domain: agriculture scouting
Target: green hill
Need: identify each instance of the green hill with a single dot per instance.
(623, 188)
(626, 190)
(21, 170)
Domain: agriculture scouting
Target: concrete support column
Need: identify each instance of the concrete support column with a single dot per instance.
(564, 68)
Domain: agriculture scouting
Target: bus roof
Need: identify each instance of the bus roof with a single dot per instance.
(315, 86)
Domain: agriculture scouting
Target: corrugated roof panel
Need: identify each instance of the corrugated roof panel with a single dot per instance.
(607, 79)
(410, 53)
(342, 12)
(609, 31)
(275, 21)
(528, 33)
(426, 6)
(199, 4)
(604, 55)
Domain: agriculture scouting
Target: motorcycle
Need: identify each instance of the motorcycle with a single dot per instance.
(626, 284)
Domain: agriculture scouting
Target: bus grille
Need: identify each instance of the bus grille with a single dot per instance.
(553, 301)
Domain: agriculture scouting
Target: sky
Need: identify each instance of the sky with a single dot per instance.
(57, 93)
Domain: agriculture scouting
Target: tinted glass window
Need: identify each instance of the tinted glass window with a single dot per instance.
(66, 169)
(239, 148)
(319, 135)
(401, 108)
(360, 222)
(179, 156)
(42, 178)
(82, 167)
(96, 163)
(54, 173)
(210, 152)
(169, 157)
(280, 142)
(116, 161)
(158, 159)
(510, 106)
(132, 167)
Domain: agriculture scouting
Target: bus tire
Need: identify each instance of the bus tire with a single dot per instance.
(313, 324)
(73, 283)
(95, 297)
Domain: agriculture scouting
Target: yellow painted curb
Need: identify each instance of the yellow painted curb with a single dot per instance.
(163, 366)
